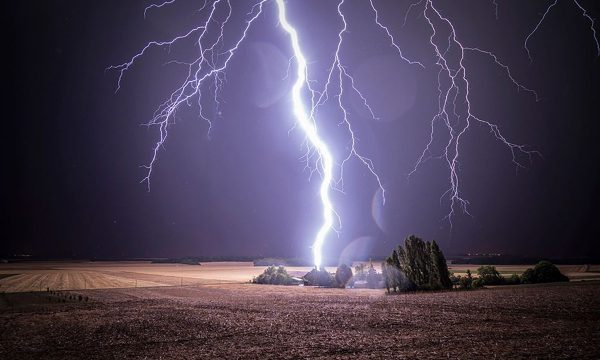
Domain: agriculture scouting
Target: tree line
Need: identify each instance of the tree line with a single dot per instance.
(414, 265)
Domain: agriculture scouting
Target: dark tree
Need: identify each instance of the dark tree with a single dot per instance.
(439, 268)
(514, 279)
(274, 275)
(543, 272)
(390, 271)
(466, 282)
(342, 275)
(387, 277)
(394, 279)
(528, 277)
(317, 277)
(417, 264)
(489, 275)
(415, 260)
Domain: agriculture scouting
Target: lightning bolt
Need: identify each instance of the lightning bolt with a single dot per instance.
(584, 13)
(157, 6)
(452, 71)
(309, 127)
(209, 65)
(207, 71)
(337, 75)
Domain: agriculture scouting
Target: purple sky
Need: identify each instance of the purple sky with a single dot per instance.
(75, 147)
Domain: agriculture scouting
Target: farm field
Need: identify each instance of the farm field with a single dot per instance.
(39, 276)
(574, 272)
(232, 321)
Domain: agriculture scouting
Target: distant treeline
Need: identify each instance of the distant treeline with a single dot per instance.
(282, 262)
(519, 260)
(183, 260)
(186, 261)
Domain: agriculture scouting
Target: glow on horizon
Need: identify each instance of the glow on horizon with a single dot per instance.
(310, 129)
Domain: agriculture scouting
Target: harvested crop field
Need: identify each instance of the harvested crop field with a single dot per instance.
(40, 276)
(269, 322)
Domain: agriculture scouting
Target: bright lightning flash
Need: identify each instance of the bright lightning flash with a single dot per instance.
(309, 127)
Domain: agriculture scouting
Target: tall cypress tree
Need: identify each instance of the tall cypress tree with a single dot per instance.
(415, 260)
(434, 274)
(440, 267)
(417, 263)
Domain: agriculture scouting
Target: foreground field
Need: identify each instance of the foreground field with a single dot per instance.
(269, 322)
(39, 276)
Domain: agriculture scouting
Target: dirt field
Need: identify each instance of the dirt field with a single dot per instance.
(234, 321)
(39, 276)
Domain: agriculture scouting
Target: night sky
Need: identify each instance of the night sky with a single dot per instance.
(73, 147)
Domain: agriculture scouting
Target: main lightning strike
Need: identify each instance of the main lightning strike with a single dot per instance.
(310, 129)
(208, 66)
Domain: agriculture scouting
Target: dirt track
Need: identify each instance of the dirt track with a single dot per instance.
(254, 321)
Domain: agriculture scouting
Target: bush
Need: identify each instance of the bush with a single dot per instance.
(455, 280)
(468, 283)
(488, 275)
(275, 275)
(514, 279)
(543, 272)
(465, 283)
(528, 277)
(317, 277)
(548, 272)
(343, 274)
(477, 283)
